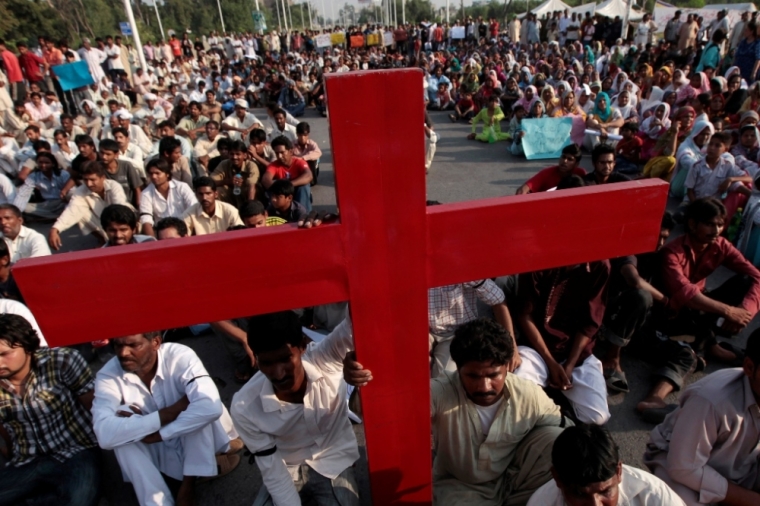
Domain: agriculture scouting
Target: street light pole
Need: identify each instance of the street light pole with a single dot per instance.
(158, 16)
(135, 34)
(221, 16)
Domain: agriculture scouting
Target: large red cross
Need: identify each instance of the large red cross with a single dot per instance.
(383, 255)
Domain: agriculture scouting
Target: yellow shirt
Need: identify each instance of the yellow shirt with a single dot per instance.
(200, 223)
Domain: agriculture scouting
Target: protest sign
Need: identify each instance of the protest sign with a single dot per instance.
(323, 40)
(387, 38)
(545, 137)
(259, 22)
(357, 41)
(337, 38)
(73, 75)
(457, 32)
(373, 39)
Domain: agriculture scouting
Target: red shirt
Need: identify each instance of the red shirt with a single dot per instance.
(298, 167)
(30, 64)
(176, 47)
(12, 68)
(549, 178)
(627, 147)
(684, 275)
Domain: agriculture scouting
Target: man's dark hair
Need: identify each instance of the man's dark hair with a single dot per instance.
(200, 182)
(705, 209)
(10, 207)
(238, 146)
(119, 130)
(84, 139)
(723, 137)
(213, 123)
(481, 340)
(167, 145)
(719, 36)
(570, 181)
(282, 187)
(282, 141)
(704, 99)
(41, 145)
(224, 142)
(601, 149)
(161, 165)
(194, 103)
(248, 210)
(119, 214)
(257, 136)
(583, 455)
(171, 222)
(109, 145)
(167, 124)
(668, 223)
(573, 150)
(303, 128)
(93, 167)
(269, 332)
(18, 333)
(630, 126)
(32, 128)
(4, 251)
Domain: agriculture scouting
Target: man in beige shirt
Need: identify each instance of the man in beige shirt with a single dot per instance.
(493, 432)
(192, 126)
(206, 145)
(708, 449)
(237, 172)
(687, 35)
(87, 203)
(209, 215)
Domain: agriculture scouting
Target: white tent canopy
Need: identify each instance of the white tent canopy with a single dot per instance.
(583, 9)
(612, 8)
(548, 6)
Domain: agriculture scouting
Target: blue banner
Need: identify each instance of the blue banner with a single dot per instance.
(545, 137)
(73, 75)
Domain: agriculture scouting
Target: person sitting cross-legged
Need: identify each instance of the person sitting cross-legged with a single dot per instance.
(707, 449)
(293, 414)
(692, 310)
(587, 469)
(550, 177)
(288, 166)
(560, 312)
(491, 117)
(492, 431)
(159, 410)
(45, 400)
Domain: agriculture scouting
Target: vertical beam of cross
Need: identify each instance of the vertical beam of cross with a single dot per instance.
(378, 148)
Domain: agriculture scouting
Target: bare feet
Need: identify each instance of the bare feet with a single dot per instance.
(650, 402)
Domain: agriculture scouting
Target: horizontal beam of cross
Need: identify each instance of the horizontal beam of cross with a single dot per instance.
(278, 268)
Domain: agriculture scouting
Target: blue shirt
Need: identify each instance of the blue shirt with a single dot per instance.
(747, 53)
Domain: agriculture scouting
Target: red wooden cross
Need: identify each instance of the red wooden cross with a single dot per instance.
(382, 257)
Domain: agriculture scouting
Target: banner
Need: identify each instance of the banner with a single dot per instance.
(357, 41)
(126, 28)
(259, 23)
(545, 137)
(338, 38)
(457, 32)
(323, 40)
(387, 38)
(373, 39)
(73, 75)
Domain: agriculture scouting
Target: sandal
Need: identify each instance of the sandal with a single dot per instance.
(225, 464)
(617, 382)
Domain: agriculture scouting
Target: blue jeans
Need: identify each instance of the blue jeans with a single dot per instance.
(75, 482)
(303, 196)
(297, 109)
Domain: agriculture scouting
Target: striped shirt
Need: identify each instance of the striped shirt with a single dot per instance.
(48, 419)
(453, 305)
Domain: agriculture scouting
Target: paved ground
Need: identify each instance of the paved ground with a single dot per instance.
(462, 170)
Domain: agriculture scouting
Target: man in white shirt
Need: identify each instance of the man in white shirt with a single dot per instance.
(159, 410)
(737, 32)
(281, 127)
(94, 58)
(163, 197)
(136, 134)
(240, 124)
(113, 55)
(22, 242)
(293, 416)
(128, 151)
(151, 113)
(587, 469)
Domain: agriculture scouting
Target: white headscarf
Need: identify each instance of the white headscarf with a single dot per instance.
(652, 130)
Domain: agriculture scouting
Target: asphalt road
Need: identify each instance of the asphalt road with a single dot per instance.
(462, 170)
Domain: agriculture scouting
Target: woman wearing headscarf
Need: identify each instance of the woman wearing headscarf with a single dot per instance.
(666, 77)
(679, 80)
(736, 96)
(603, 118)
(748, 145)
(530, 95)
(662, 157)
(511, 93)
(752, 102)
(526, 78)
(590, 57)
(748, 241)
(627, 110)
(617, 83)
(470, 84)
(551, 102)
(654, 126)
(717, 106)
(690, 152)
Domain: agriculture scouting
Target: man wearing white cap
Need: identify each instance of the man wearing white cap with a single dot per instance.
(136, 135)
(240, 124)
(94, 58)
(151, 113)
